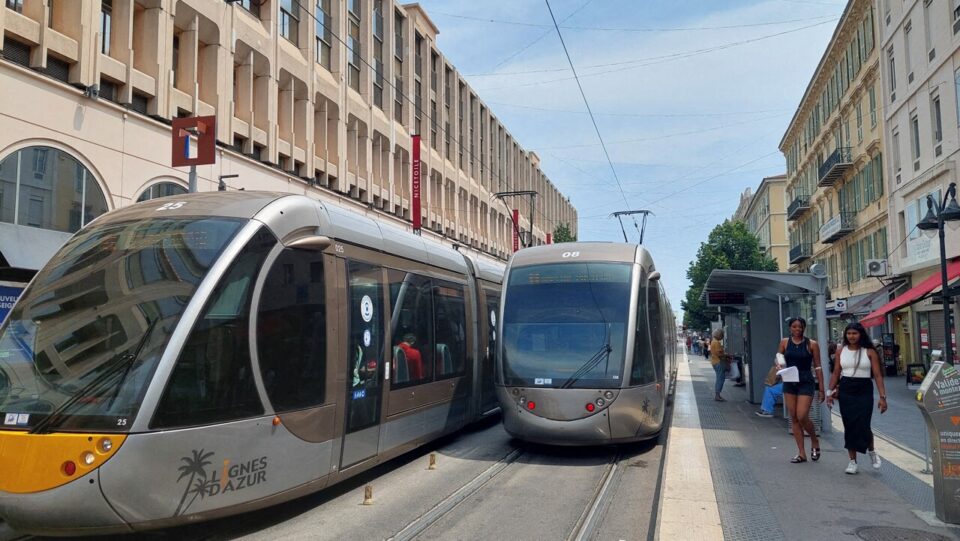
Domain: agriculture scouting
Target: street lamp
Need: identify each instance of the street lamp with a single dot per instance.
(947, 211)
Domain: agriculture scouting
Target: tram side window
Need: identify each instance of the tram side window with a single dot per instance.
(656, 327)
(291, 331)
(213, 378)
(411, 302)
(451, 329)
(644, 370)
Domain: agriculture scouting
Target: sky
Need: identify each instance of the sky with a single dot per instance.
(691, 97)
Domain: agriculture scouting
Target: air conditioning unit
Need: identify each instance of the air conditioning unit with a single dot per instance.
(876, 267)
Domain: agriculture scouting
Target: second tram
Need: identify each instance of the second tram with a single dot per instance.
(588, 349)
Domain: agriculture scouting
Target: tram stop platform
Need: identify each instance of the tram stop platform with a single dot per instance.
(728, 473)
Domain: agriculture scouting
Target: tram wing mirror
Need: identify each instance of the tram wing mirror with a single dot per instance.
(654, 276)
(317, 243)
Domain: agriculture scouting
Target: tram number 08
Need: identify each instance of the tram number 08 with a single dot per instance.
(567, 255)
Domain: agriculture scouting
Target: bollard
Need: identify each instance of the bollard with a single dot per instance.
(368, 495)
(433, 461)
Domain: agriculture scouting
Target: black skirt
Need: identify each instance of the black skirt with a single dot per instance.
(856, 410)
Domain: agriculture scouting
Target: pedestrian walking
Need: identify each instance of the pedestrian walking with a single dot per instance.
(720, 361)
(852, 387)
(804, 354)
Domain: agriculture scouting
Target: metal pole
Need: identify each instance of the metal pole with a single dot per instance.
(780, 307)
(193, 179)
(822, 342)
(947, 328)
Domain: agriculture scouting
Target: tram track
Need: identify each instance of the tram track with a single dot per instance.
(413, 529)
(586, 525)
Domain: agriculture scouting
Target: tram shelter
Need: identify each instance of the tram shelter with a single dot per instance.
(751, 305)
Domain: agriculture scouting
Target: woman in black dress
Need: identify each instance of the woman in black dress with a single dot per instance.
(850, 384)
(803, 353)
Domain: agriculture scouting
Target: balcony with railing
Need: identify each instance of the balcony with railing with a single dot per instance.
(833, 168)
(799, 205)
(801, 252)
(838, 227)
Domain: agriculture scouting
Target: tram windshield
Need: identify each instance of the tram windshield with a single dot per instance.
(80, 346)
(564, 325)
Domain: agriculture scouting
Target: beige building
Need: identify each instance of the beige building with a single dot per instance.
(740, 214)
(766, 217)
(319, 97)
(836, 202)
(920, 70)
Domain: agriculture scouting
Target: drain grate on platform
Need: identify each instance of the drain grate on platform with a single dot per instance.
(890, 533)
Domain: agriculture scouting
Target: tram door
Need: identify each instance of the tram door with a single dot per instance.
(365, 362)
(488, 397)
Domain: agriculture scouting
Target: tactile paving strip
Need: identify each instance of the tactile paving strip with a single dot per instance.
(745, 513)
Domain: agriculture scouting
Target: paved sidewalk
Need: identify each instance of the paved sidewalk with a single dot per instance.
(760, 495)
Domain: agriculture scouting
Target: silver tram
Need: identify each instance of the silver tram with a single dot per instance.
(587, 349)
(199, 356)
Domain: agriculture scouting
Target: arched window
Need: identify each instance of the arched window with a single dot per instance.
(46, 187)
(161, 189)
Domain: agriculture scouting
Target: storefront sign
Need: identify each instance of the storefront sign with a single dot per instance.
(8, 296)
(416, 208)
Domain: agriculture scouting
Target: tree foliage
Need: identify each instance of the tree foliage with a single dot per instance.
(729, 246)
(562, 234)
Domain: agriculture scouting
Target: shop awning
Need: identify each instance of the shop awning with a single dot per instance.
(867, 303)
(878, 316)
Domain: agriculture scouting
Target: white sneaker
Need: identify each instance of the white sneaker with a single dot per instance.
(874, 459)
(851, 467)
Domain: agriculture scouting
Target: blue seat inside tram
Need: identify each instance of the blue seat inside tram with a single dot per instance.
(400, 365)
(444, 359)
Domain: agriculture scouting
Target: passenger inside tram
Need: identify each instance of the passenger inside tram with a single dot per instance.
(412, 355)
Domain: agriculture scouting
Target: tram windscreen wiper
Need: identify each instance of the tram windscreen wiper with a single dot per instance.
(123, 361)
(592, 362)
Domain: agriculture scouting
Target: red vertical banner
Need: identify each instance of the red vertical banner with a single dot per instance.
(516, 230)
(549, 238)
(415, 189)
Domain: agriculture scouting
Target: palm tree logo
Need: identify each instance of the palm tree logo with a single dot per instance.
(194, 467)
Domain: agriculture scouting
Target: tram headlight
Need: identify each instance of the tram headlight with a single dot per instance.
(88, 458)
(609, 395)
(105, 445)
(601, 402)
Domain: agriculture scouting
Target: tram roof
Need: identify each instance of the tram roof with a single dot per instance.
(334, 222)
(614, 252)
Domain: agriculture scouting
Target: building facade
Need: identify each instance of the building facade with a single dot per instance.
(766, 217)
(740, 215)
(835, 193)
(919, 43)
(318, 97)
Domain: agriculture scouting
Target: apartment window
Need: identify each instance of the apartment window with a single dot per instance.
(927, 37)
(398, 36)
(290, 20)
(106, 16)
(956, 15)
(353, 43)
(324, 41)
(860, 121)
(15, 5)
(176, 57)
(896, 153)
(252, 6)
(915, 140)
(907, 30)
(378, 53)
(873, 107)
(936, 123)
(892, 68)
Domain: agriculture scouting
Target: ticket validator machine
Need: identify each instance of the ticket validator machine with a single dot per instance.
(939, 400)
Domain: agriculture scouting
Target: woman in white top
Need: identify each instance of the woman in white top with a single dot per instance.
(851, 385)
